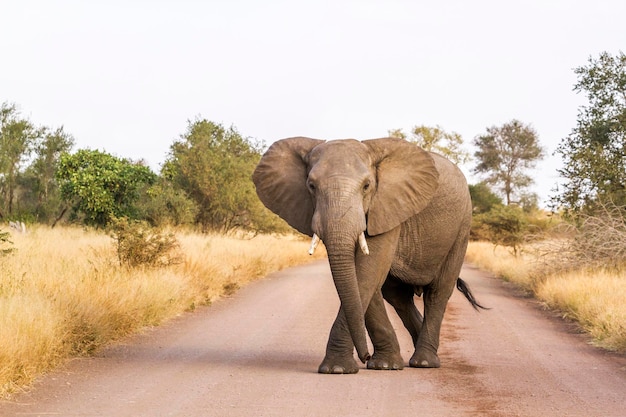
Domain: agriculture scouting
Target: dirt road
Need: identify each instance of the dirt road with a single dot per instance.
(256, 354)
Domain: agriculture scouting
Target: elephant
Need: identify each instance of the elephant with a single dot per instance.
(395, 221)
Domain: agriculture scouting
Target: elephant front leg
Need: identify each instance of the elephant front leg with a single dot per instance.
(339, 357)
(371, 271)
(386, 347)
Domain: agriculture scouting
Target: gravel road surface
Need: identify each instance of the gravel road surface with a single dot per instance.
(256, 354)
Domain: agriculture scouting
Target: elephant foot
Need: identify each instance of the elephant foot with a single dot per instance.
(338, 366)
(386, 362)
(424, 359)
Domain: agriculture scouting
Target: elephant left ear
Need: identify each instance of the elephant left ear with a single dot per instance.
(407, 180)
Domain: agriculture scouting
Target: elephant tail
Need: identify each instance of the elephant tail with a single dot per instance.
(464, 288)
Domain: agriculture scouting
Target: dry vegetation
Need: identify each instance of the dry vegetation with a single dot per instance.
(64, 293)
(593, 297)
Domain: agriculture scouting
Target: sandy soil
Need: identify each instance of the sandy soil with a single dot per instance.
(256, 354)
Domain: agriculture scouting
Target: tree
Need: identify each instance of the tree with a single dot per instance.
(17, 137)
(101, 186)
(503, 155)
(213, 165)
(435, 139)
(41, 191)
(594, 154)
(483, 199)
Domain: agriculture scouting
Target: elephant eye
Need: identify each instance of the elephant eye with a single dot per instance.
(366, 186)
(311, 186)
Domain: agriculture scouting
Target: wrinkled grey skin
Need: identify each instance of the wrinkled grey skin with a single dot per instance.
(416, 211)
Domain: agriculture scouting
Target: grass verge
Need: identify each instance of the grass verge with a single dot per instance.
(63, 292)
(594, 298)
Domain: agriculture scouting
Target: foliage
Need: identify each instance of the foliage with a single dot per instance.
(5, 239)
(504, 153)
(206, 180)
(29, 192)
(138, 244)
(40, 194)
(213, 166)
(502, 225)
(529, 202)
(483, 199)
(594, 154)
(101, 186)
(435, 139)
(165, 205)
(17, 138)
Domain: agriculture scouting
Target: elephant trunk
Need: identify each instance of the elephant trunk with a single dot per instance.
(341, 259)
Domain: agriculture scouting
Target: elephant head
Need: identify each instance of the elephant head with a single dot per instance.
(339, 190)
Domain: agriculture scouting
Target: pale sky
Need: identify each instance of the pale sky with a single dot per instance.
(125, 76)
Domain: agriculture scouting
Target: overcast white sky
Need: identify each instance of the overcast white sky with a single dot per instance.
(125, 76)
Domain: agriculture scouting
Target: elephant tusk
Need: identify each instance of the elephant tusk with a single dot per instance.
(363, 244)
(314, 243)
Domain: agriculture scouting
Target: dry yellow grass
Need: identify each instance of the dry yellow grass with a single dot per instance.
(62, 293)
(593, 298)
(501, 262)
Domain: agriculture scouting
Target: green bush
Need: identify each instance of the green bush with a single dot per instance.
(502, 225)
(483, 199)
(101, 186)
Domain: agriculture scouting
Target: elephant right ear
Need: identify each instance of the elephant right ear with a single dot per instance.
(280, 180)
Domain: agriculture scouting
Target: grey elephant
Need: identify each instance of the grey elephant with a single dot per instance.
(395, 221)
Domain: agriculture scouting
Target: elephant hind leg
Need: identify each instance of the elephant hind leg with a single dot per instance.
(386, 347)
(400, 296)
(436, 296)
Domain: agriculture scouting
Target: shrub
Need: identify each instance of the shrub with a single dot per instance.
(502, 225)
(138, 244)
(483, 199)
(597, 241)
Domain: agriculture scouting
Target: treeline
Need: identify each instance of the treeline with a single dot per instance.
(204, 181)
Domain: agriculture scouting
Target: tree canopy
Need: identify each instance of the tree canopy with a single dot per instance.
(483, 199)
(503, 155)
(214, 165)
(435, 139)
(17, 139)
(594, 154)
(29, 191)
(100, 186)
(205, 180)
